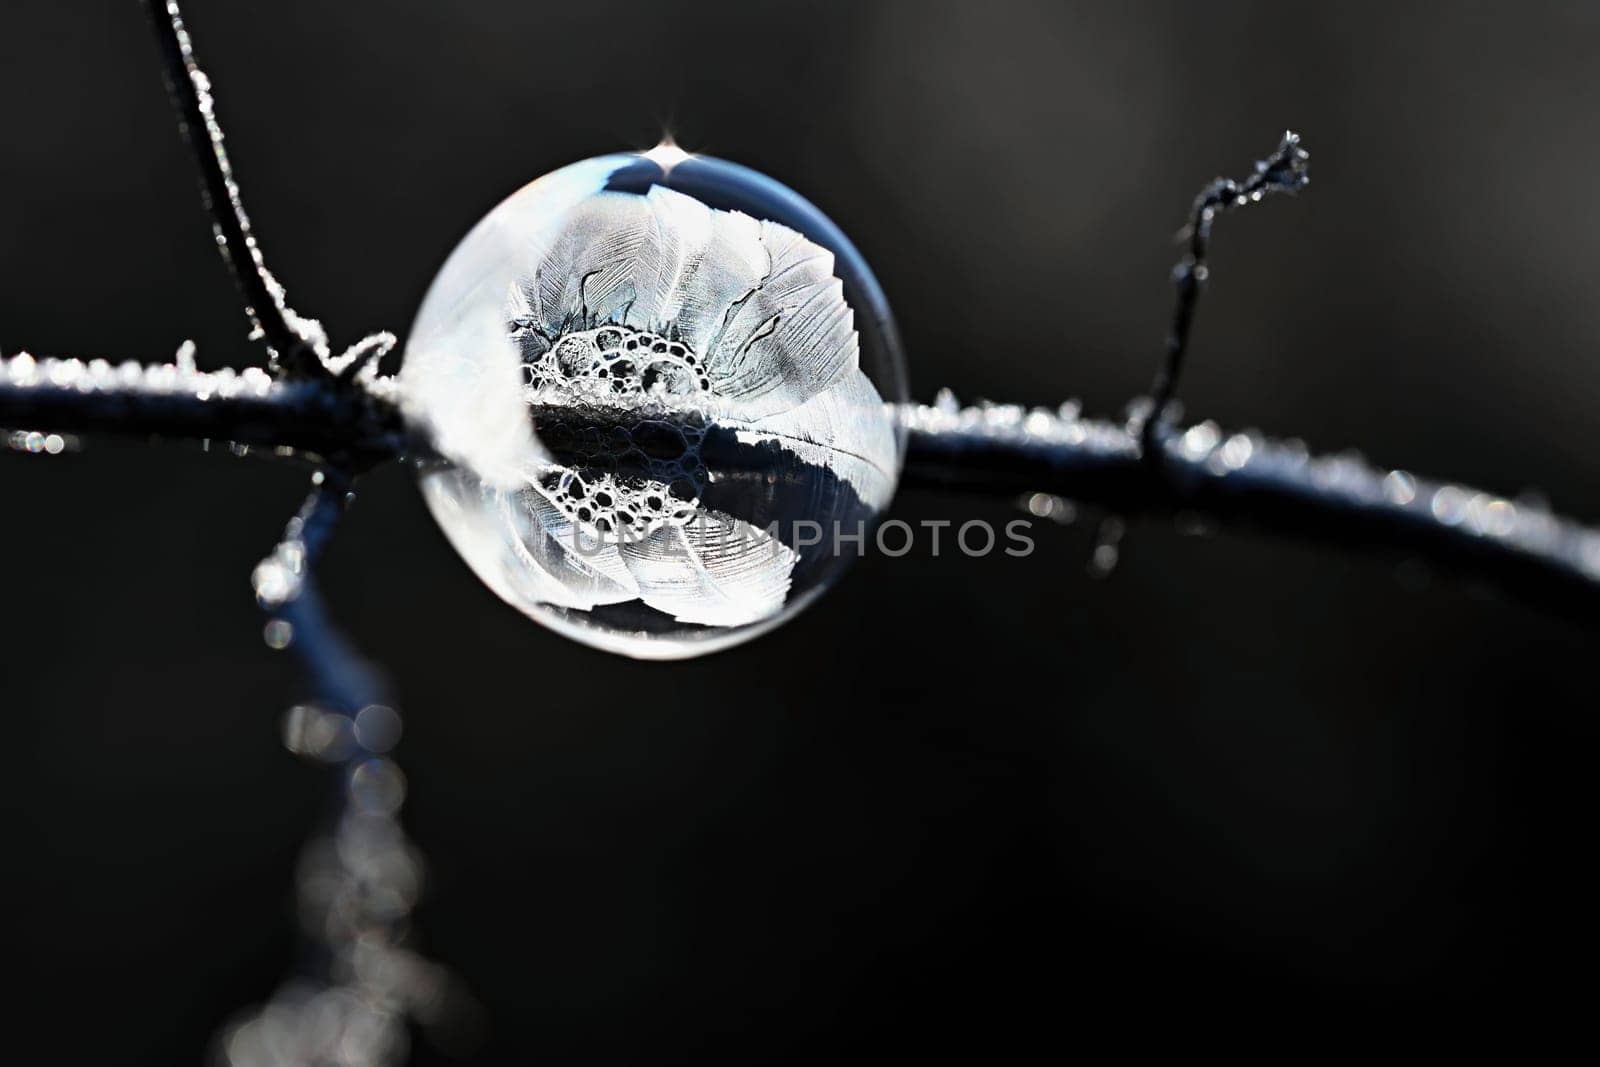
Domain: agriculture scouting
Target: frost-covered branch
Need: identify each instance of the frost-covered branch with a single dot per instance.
(286, 589)
(1241, 480)
(331, 420)
(298, 345)
(1246, 480)
(360, 878)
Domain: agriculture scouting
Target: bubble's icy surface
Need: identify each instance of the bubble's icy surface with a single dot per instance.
(661, 382)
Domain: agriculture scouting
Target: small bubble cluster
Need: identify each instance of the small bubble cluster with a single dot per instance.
(611, 363)
(628, 361)
(608, 505)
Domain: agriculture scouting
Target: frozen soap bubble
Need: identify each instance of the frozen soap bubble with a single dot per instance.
(662, 383)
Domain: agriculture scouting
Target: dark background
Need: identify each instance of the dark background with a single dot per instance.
(959, 802)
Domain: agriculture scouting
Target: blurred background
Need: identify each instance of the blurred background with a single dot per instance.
(958, 802)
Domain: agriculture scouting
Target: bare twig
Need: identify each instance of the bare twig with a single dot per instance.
(298, 345)
(285, 587)
(361, 981)
(1284, 171)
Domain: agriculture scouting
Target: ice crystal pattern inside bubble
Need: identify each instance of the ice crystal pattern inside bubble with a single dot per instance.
(625, 363)
(638, 306)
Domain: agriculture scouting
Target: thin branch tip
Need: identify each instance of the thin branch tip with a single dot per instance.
(1286, 170)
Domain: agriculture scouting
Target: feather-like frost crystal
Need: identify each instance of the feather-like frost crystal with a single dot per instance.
(591, 355)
